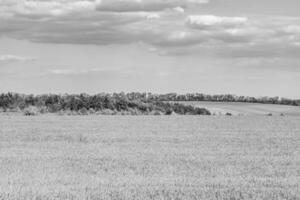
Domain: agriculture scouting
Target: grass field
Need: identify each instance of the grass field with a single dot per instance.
(149, 157)
(237, 108)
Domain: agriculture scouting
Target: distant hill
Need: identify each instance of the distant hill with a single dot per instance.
(237, 108)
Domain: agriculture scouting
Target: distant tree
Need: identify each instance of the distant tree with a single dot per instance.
(138, 103)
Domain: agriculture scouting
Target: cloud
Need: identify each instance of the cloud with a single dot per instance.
(75, 72)
(179, 9)
(45, 9)
(13, 58)
(144, 5)
(211, 21)
(92, 72)
(164, 25)
(234, 37)
(293, 29)
(65, 21)
(38, 9)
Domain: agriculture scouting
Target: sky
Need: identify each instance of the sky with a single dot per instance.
(242, 47)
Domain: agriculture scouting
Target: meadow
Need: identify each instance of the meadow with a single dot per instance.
(241, 108)
(149, 157)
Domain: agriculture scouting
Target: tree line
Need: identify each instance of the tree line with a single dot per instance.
(223, 98)
(126, 103)
(117, 103)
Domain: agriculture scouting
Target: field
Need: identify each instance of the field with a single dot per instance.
(149, 157)
(237, 108)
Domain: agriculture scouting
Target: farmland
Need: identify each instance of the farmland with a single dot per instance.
(149, 157)
(238, 108)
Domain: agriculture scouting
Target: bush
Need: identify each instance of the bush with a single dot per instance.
(116, 104)
(83, 111)
(169, 112)
(106, 112)
(157, 112)
(92, 111)
(43, 110)
(134, 111)
(15, 110)
(201, 111)
(69, 112)
(31, 111)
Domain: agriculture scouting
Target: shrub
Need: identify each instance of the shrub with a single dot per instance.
(157, 112)
(201, 111)
(106, 112)
(69, 112)
(16, 110)
(169, 112)
(31, 111)
(83, 111)
(92, 111)
(134, 111)
(43, 110)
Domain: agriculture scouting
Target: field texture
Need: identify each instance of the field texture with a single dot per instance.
(149, 157)
(237, 108)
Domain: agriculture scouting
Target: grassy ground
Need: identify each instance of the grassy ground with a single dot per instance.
(237, 108)
(149, 157)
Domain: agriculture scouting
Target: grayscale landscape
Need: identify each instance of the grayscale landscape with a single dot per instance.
(149, 157)
(149, 100)
(237, 108)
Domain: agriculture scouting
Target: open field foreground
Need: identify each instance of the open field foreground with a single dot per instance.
(149, 157)
(238, 108)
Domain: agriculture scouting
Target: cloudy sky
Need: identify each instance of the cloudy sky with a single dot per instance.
(244, 47)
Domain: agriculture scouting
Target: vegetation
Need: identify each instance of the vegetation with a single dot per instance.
(149, 158)
(121, 103)
(224, 98)
(83, 104)
(241, 108)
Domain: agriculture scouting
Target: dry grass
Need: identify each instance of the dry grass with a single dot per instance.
(149, 157)
(238, 108)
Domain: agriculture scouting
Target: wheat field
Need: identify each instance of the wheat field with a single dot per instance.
(149, 157)
(240, 108)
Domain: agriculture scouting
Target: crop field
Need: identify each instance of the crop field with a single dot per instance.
(238, 108)
(149, 157)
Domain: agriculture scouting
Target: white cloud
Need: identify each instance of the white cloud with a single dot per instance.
(76, 72)
(292, 29)
(144, 5)
(42, 9)
(54, 8)
(14, 58)
(211, 21)
(105, 72)
(153, 16)
(179, 9)
(162, 24)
